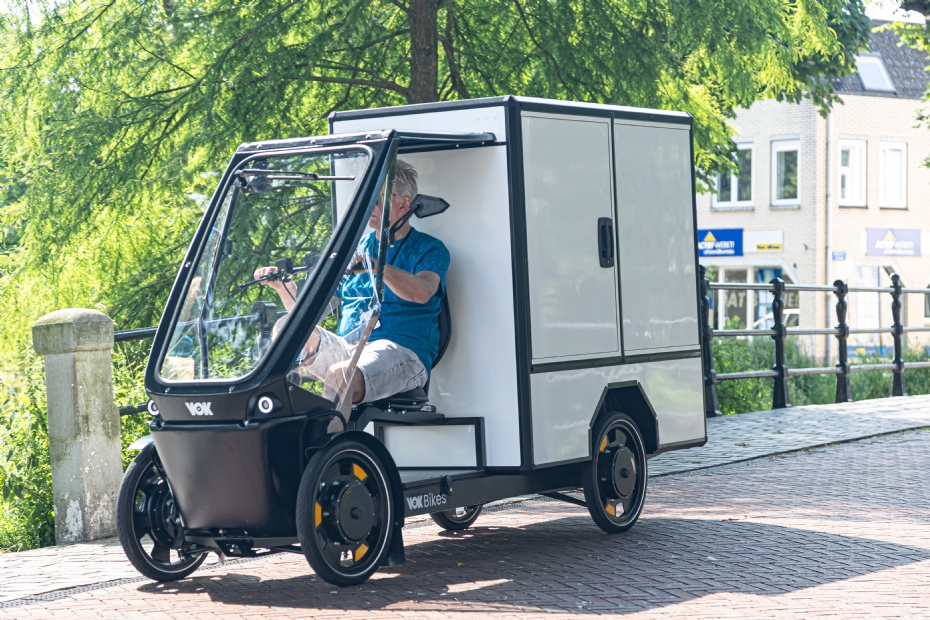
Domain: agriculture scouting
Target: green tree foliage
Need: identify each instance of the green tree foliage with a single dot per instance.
(26, 511)
(118, 115)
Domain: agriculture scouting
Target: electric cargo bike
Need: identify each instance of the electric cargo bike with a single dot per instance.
(569, 348)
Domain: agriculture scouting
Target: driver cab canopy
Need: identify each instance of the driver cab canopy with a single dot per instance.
(301, 208)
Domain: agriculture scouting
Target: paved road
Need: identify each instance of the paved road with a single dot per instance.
(58, 571)
(843, 530)
(751, 435)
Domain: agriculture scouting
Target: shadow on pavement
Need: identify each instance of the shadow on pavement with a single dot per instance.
(568, 564)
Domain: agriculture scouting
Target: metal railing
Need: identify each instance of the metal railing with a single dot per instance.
(128, 335)
(779, 333)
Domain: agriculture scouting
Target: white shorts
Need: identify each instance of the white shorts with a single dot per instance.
(387, 367)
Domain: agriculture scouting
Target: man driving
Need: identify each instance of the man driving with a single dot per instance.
(401, 350)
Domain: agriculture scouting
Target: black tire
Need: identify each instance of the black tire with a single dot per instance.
(344, 513)
(617, 475)
(146, 509)
(457, 519)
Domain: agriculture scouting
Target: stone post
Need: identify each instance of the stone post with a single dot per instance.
(83, 422)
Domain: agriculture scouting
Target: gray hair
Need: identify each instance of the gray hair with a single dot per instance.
(405, 179)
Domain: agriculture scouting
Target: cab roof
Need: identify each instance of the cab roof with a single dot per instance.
(408, 141)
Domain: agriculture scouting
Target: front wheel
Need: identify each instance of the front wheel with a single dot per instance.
(344, 513)
(615, 479)
(148, 522)
(457, 519)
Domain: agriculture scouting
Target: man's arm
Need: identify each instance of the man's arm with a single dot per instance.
(418, 288)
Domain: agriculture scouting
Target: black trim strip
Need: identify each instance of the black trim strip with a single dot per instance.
(613, 360)
(604, 111)
(520, 275)
(680, 445)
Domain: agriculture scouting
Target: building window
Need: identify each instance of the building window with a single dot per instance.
(873, 74)
(734, 188)
(927, 305)
(852, 173)
(785, 189)
(892, 177)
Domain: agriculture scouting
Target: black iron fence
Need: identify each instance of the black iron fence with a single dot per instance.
(779, 333)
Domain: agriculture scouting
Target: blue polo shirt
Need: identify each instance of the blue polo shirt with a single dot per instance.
(409, 324)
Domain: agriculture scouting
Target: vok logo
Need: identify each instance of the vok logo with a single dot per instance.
(199, 408)
(427, 500)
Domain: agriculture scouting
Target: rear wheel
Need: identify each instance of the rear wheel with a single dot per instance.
(615, 480)
(148, 522)
(344, 513)
(456, 519)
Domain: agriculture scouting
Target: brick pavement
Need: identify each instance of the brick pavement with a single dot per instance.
(842, 531)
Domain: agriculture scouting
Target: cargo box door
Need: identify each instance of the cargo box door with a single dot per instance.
(570, 236)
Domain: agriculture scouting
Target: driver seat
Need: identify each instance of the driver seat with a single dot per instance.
(416, 398)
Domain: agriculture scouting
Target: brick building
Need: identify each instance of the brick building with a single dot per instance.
(774, 211)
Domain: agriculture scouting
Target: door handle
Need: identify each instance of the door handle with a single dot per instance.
(605, 241)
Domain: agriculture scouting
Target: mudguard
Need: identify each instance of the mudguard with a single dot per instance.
(140, 443)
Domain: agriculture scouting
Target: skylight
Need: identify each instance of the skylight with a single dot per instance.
(873, 74)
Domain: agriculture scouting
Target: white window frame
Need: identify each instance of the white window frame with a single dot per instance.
(734, 182)
(887, 145)
(858, 150)
(779, 146)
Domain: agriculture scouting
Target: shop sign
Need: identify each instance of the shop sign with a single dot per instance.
(892, 242)
(763, 241)
(720, 242)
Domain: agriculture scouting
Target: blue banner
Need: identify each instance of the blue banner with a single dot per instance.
(720, 242)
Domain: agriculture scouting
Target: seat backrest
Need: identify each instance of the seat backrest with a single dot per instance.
(445, 328)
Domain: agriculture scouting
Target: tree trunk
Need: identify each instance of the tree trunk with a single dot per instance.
(424, 51)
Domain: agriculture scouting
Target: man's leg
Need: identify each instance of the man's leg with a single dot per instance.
(336, 376)
(386, 368)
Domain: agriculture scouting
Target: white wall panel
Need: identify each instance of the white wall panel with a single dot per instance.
(478, 374)
(451, 445)
(656, 237)
(475, 120)
(567, 178)
(564, 403)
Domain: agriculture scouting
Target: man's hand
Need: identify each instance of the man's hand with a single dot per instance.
(287, 291)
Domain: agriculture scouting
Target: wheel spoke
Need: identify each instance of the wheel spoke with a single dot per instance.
(161, 554)
(139, 525)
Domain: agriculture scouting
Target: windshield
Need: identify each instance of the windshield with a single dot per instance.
(275, 222)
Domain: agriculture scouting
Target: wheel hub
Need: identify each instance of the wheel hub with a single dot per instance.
(161, 514)
(355, 512)
(624, 472)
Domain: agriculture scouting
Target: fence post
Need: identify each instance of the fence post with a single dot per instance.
(780, 398)
(711, 406)
(897, 385)
(83, 422)
(843, 390)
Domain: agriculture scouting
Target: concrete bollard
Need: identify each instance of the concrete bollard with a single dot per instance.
(83, 422)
